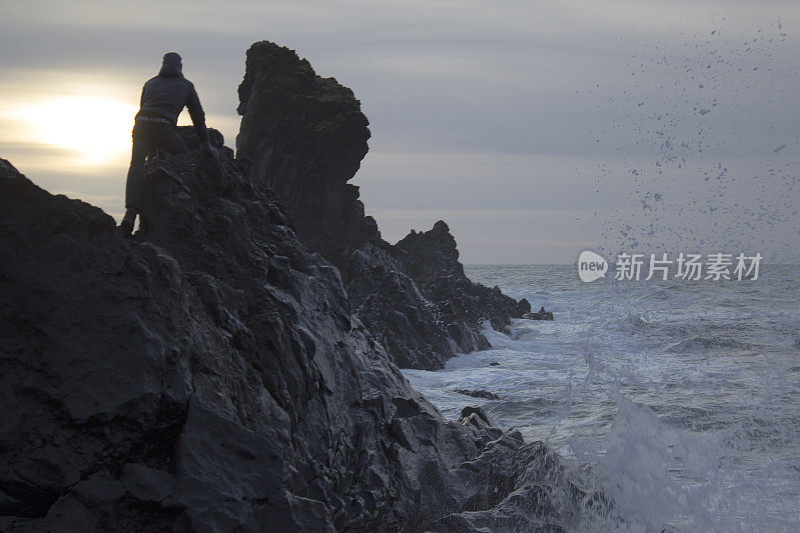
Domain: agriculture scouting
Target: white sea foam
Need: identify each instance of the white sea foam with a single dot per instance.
(684, 398)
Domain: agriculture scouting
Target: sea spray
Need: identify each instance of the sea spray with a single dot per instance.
(683, 399)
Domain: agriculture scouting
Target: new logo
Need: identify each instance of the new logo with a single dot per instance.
(591, 266)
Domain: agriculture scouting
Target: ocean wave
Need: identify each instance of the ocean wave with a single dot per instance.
(700, 344)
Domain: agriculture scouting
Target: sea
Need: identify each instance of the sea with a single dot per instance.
(682, 397)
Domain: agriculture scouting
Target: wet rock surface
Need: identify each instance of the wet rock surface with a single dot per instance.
(305, 136)
(209, 375)
(478, 393)
(431, 259)
(541, 314)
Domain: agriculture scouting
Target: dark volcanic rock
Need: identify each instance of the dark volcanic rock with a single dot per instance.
(305, 136)
(541, 314)
(208, 375)
(431, 259)
(395, 310)
(475, 393)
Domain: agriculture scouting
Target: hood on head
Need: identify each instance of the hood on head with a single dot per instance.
(171, 66)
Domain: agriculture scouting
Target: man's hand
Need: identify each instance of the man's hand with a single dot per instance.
(210, 151)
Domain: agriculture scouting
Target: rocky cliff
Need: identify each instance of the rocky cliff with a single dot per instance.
(209, 375)
(214, 373)
(305, 136)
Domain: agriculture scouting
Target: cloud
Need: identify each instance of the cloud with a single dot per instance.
(482, 107)
(496, 236)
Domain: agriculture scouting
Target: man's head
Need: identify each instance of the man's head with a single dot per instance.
(171, 66)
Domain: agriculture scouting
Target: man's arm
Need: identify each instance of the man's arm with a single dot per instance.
(141, 100)
(199, 120)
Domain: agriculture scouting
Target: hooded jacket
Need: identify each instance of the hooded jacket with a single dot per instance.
(167, 94)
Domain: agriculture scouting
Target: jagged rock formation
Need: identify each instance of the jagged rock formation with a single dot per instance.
(397, 313)
(431, 259)
(209, 375)
(305, 136)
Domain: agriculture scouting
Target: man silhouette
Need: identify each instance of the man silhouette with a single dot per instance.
(155, 128)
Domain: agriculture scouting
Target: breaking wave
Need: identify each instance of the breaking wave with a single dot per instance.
(683, 399)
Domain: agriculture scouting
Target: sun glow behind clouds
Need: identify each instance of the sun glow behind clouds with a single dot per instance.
(95, 128)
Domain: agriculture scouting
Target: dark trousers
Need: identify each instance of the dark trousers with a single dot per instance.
(149, 136)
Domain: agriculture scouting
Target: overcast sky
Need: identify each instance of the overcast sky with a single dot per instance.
(535, 129)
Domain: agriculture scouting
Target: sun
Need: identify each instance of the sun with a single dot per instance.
(97, 128)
